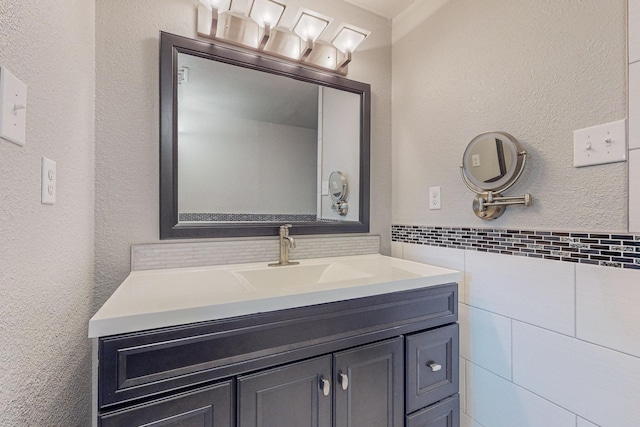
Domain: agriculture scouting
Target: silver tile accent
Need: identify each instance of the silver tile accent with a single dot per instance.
(230, 251)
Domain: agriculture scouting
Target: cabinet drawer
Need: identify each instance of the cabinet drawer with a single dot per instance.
(212, 406)
(432, 366)
(442, 414)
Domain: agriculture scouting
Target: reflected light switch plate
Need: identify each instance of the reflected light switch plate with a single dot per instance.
(13, 108)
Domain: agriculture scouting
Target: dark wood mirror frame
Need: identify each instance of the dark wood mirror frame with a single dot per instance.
(170, 228)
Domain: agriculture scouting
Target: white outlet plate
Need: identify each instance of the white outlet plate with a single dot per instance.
(606, 143)
(49, 179)
(434, 198)
(13, 108)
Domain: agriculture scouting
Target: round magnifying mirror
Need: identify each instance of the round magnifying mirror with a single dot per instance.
(493, 161)
(337, 186)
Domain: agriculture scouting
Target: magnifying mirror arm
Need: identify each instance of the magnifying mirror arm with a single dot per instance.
(493, 200)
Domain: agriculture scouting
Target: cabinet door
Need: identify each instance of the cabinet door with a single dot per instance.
(205, 407)
(370, 385)
(295, 395)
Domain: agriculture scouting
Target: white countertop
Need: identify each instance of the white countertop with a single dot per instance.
(158, 298)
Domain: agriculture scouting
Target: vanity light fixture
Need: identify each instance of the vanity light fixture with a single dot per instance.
(310, 25)
(347, 40)
(255, 24)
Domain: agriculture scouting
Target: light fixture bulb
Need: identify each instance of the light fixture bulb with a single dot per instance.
(266, 12)
(349, 38)
(310, 25)
(241, 6)
(220, 5)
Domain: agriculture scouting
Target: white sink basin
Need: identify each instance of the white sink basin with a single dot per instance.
(298, 276)
(158, 298)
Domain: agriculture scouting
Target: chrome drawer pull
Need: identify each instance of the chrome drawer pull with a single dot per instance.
(344, 381)
(434, 366)
(325, 385)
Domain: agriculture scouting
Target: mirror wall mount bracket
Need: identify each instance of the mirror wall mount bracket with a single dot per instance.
(489, 203)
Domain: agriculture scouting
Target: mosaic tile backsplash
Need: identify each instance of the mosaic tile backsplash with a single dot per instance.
(609, 250)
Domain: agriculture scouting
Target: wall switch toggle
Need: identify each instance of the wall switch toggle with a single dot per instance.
(13, 108)
(600, 144)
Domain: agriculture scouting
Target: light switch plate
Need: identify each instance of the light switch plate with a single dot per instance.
(13, 108)
(606, 143)
(49, 179)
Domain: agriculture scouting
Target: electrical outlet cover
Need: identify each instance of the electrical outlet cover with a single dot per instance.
(434, 198)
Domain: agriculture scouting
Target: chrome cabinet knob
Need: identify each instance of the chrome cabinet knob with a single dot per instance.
(434, 366)
(344, 380)
(325, 385)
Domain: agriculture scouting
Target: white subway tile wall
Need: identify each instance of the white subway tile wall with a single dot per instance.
(607, 305)
(442, 257)
(527, 289)
(634, 191)
(463, 382)
(495, 402)
(592, 381)
(633, 32)
(485, 338)
(196, 254)
(521, 369)
(634, 105)
(584, 423)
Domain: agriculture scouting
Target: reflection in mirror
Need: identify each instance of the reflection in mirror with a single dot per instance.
(248, 143)
(493, 161)
(489, 160)
(338, 189)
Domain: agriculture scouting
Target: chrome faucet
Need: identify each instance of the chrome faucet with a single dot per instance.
(286, 242)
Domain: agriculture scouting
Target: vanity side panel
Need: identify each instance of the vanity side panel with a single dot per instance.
(142, 364)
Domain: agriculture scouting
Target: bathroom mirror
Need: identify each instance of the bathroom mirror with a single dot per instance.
(247, 143)
(491, 164)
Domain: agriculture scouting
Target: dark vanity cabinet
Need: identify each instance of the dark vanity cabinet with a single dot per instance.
(356, 387)
(387, 360)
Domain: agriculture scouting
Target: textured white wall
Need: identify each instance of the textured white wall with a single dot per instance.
(127, 119)
(46, 252)
(538, 70)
